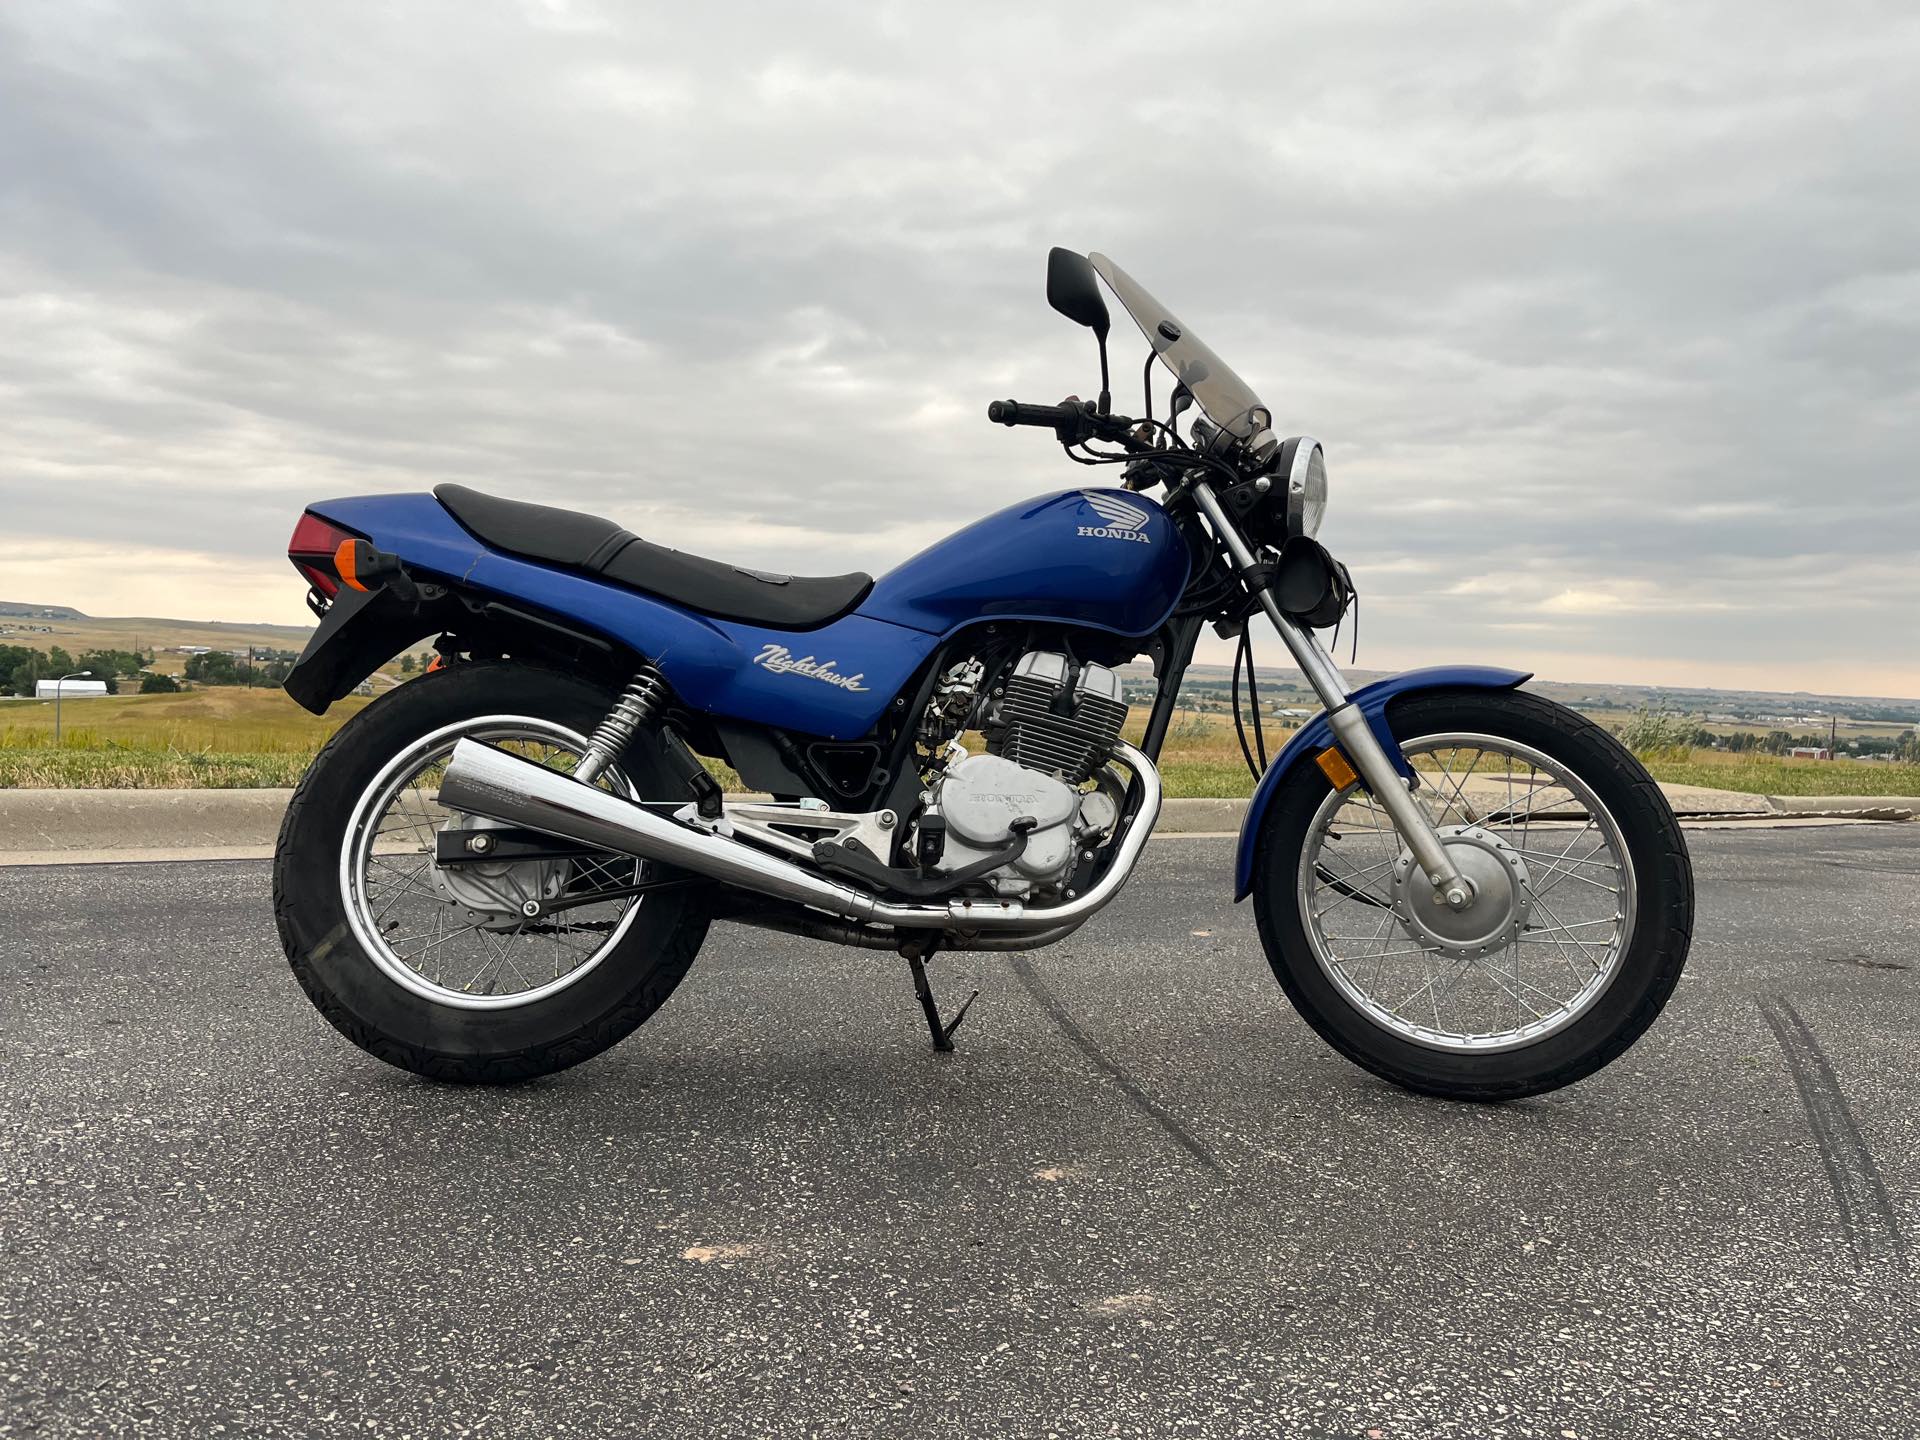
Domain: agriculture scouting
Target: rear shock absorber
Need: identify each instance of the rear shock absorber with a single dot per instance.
(644, 695)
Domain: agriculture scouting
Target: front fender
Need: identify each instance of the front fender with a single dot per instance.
(1316, 735)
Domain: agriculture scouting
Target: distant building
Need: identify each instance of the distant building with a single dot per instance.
(67, 689)
(1811, 752)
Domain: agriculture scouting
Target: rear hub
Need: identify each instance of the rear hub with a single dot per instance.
(494, 893)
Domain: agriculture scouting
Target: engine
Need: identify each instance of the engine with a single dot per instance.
(1049, 730)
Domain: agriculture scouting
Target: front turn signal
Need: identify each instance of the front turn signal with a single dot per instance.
(1334, 766)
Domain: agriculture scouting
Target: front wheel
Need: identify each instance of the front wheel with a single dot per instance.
(1581, 918)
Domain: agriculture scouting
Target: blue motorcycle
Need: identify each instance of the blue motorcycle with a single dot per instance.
(502, 868)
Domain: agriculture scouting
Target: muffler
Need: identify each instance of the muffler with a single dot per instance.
(483, 780)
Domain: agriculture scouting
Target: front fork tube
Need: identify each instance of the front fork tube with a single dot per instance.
(1349, 726)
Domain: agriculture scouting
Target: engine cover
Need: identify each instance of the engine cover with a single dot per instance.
(980, 798)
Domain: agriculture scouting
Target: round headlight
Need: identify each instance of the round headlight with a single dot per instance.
(1305, 466)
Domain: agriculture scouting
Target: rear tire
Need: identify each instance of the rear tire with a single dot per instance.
(1645, 972)
(626, 983)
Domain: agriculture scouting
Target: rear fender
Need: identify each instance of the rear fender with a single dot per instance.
(361, 631)
(1317, 735)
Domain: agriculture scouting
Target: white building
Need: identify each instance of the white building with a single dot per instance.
(68, 689)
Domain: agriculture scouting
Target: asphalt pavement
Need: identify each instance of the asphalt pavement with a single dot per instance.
(1141, 1199)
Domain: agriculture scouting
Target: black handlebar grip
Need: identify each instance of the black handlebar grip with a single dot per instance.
(1013, 412)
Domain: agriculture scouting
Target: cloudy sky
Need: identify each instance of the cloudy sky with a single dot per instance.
(1608, 315)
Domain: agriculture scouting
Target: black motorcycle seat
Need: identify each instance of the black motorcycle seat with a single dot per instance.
(588, 543)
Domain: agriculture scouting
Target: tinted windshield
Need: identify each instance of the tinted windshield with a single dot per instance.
(1228, 400)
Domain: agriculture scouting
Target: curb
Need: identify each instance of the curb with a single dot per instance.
(132, 824)
(1867, 807)
(119, 820)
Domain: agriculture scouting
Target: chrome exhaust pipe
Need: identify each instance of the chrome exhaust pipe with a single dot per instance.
(483, 780)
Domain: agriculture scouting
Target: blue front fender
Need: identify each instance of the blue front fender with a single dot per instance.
(1316, 735)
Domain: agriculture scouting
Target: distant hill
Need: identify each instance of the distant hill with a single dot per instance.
(1762, 708)
(39, 612)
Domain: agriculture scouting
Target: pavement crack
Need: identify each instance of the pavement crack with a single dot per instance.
(1867, 1216)
(1085, 1043)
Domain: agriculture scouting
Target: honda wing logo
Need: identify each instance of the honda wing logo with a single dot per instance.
(1124, 520)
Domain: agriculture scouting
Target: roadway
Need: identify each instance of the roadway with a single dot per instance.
(1141, 1199)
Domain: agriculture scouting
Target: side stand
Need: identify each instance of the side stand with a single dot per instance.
(916, 952)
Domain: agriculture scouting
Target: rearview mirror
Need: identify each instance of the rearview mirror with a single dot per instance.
(1074, 292)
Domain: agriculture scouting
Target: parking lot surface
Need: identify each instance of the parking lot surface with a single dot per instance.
(1141, 1199)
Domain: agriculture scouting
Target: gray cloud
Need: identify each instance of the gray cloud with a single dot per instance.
(1607, 314)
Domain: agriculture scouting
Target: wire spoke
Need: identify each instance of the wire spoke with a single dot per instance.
(1577, 894)
(459, 932)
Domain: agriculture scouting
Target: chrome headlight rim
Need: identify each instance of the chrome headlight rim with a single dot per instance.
(1304, 462)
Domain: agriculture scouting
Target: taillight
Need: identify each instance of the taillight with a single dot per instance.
(312, 549)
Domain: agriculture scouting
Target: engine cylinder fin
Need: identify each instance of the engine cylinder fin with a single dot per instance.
(1034, 731)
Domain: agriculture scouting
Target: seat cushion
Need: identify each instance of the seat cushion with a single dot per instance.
(588, 543)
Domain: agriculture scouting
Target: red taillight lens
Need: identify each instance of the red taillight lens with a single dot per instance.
(312, 549)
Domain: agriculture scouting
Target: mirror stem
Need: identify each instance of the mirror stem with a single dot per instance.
(1106, 390)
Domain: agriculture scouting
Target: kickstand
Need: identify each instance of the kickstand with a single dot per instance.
(916, 952)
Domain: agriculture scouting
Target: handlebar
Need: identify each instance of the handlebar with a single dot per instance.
(1074, 422)
(1050, 417)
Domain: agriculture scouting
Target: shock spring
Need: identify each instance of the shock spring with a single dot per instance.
(643, 695)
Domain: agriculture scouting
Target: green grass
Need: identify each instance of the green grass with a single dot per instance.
(119, 769)
(1770, 776)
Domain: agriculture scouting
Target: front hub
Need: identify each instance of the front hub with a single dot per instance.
(1501, 900)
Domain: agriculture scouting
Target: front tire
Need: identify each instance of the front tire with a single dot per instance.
(1533, 1000)
(413, 1005)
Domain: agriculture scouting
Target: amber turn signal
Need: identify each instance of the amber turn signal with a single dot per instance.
(1334, 766)
(346, 564)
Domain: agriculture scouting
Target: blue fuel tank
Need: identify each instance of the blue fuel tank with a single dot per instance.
(1106, 558)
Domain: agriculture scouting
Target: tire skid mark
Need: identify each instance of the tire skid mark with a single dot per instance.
(1084, 1042)
(1867, 1217)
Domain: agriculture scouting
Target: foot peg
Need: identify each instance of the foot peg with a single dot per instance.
(941, 1032)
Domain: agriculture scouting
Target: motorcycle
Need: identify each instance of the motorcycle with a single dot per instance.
(503, 867)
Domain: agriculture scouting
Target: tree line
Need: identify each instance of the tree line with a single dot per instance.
(124, 671)
(1649, 732)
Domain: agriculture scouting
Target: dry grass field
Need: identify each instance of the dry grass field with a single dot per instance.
(233, 738)
(224, 737)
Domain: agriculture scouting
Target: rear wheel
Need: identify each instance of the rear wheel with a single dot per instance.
(1582, 914)
(438, 969)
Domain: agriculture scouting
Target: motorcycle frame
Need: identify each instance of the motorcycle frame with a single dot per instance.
(504, 604)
